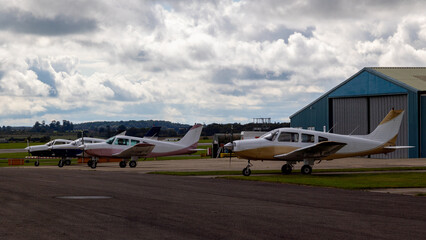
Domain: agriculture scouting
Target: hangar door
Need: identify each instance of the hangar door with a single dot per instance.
(362, 115)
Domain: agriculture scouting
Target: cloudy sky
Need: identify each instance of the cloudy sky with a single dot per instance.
(192, 61)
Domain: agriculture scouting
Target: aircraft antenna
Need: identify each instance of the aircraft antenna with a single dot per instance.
(354, 130)
(332, 127)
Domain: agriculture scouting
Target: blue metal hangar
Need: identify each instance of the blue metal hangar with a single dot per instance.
(357, 106)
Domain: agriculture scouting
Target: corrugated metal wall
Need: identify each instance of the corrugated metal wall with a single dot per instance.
(365, 113)
(350, 115)
(379, 107)
(423, 126)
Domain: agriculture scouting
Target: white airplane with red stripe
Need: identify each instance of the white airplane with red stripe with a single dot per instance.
(130, 149)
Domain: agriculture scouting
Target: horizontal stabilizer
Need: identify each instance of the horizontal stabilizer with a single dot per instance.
(198, 149)
(140, 150)
(316, 151)
(398, 147)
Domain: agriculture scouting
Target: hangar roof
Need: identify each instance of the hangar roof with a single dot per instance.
(412, 76)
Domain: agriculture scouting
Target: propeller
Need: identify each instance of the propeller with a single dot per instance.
(232, 142)
(28, 146)
(82, 142)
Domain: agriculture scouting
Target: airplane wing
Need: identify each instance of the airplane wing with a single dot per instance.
(140, 149)
(316, 151)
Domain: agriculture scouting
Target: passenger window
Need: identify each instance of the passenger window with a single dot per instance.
(322, 139)
(288, 137)
(121, 141)
(308, 138)
(133, 142)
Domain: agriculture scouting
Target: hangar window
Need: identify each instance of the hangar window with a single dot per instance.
(288, 137)
(322, 139)
(122, 141)
(308, 138)
(133, 142)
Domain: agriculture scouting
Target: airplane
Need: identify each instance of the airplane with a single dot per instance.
(295, 145)
(72, 150)
(130, 149)
(43, 150)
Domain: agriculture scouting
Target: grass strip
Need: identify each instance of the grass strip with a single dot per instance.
(254, 172)
(347, 181)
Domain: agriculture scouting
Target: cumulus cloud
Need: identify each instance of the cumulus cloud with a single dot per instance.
(193, 61)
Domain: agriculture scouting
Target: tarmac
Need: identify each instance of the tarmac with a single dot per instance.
(77, 202)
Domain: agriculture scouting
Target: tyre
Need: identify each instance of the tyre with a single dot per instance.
(246, 172)
(94, 165)
(132, 164)
(89, 163)
(286, 169)
(306, 169)
(36, 163)
(122, 164)
(67, 162)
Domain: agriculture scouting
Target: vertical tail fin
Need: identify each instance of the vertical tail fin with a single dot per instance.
(192, 136)
(388, 128)
(152, 133)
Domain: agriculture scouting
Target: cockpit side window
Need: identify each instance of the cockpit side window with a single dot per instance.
(122, 141)
(288, 137)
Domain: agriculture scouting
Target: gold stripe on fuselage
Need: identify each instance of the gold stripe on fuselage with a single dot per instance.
(264, 153)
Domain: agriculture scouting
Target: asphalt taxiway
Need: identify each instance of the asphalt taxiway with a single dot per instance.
(76, 202)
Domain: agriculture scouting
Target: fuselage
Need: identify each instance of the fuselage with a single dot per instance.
(72, 149)
(119, 143)
(45, 149)
(285, 140)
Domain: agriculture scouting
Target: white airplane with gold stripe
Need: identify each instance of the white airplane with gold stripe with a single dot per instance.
(295, 145)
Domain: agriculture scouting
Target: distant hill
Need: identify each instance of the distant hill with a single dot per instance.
(130, 124)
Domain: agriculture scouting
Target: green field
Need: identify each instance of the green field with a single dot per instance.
(17, 145)
(254, 172)
(366, 180)
(347, 181)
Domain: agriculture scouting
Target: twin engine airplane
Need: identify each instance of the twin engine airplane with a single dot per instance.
(130, 149)
(66, 149)
(295, 145)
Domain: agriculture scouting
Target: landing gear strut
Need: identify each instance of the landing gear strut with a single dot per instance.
(246, 170)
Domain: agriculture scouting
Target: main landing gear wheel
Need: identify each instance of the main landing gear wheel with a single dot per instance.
(246, 171)
(122, 164)
(132, 164)
(36, 163)
(60, 163)
(67, 162)
(306, 169)
(93, 165)
(89, 163)
(286, 169)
